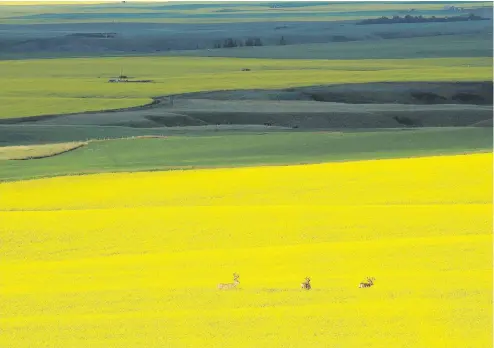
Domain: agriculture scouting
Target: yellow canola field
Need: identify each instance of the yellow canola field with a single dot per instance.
(133, 260)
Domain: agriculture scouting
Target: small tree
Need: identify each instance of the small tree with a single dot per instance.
(229, 43)
(282, 41)
(253, 41)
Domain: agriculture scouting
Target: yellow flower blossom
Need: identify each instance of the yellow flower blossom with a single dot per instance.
(134, 259)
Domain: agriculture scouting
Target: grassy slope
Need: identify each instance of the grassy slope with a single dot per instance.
(72, 85)
(248, 149)
(439, 46)
(477, 45)
(25, 134)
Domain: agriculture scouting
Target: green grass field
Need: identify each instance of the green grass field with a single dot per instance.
(40, 87)
(468, 46)
(249, 149)
(27, 134)
(442, 46)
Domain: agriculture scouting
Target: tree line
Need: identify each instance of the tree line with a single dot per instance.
(420, 19)
(249, 42)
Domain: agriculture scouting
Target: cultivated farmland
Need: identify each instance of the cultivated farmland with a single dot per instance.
(136, 262)
(206, 148)
(59, 86)
(282, 176)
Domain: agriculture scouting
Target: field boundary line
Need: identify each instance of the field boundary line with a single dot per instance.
(244, 166)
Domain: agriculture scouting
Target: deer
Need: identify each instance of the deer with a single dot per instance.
(226, 286)
(306, 285)
(368, 284)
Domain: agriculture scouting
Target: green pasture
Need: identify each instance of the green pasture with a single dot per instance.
(442, 46)
(29, 134)
(439, 46)
(248, 149)
(40, 87)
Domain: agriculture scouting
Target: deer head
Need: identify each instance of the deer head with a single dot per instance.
(306, 284)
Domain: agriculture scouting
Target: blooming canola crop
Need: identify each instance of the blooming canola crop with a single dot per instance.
(134, 259)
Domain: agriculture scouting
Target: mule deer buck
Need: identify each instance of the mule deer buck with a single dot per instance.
(368, 284)
(226, 286)
(306, 285)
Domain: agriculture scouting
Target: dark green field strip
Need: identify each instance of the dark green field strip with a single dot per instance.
(441, 46)
(428, 46)
(249, 149)
(29, 134)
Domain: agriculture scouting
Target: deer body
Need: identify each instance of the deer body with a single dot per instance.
(368, 284)
(227, 286)
(306, 285)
